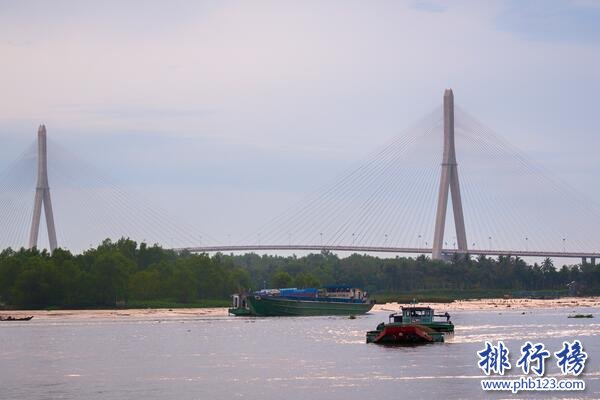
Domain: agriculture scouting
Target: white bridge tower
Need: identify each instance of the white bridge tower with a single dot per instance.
(449, 181)
(42, 195)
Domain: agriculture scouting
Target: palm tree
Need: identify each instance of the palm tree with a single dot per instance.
(547, 265)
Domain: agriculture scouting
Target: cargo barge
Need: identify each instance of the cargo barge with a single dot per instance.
(330, 300)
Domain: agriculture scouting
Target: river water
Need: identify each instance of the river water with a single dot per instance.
(217, 357)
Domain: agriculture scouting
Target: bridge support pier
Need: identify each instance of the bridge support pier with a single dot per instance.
(449, 182)
(583, 260)
(593, 260)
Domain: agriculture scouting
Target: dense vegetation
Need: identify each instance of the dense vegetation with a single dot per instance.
(125, 273)
(400, 276)
(114, 273)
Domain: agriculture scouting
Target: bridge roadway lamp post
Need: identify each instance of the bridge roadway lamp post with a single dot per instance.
(449, 183)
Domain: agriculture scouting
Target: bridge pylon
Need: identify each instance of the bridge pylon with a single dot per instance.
(42, 195)
(449, 182)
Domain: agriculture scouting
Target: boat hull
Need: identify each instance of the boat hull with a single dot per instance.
(9, 318)
(272, 306)
(410, 333)
(240, 312)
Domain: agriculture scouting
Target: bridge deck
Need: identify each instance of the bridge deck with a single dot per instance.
(380, 249)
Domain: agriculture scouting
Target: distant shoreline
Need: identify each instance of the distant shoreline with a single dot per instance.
(495, 304)
(567, 303)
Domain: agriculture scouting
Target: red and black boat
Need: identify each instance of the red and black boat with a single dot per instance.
(413, 325)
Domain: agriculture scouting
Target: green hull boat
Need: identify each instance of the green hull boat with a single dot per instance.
(241, 312)
(331, 300)
(270, 306)
(240, 307)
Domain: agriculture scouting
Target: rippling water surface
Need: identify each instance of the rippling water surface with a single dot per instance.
(272, 358)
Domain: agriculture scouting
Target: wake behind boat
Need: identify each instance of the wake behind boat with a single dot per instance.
(330, 300)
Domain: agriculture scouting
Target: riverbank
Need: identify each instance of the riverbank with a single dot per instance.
(568, 303)
(501, 303)
(450, 295)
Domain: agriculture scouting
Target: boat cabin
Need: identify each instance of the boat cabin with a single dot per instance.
(342, 292)
(417, 315)
(239, 301)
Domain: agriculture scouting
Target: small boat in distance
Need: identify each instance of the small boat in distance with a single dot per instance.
(239, 306)
(10, 318)
(330, 300)
(413, 325)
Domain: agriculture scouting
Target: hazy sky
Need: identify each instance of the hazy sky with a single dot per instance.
(228, 112)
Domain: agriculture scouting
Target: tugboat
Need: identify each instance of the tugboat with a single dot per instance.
(413, 325)
(330, 300)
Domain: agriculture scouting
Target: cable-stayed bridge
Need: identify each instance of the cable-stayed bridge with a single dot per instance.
(395, 201)
(406, 250)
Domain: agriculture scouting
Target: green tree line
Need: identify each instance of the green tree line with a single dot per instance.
(114, 273)
(408, 275)
(125, 273)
